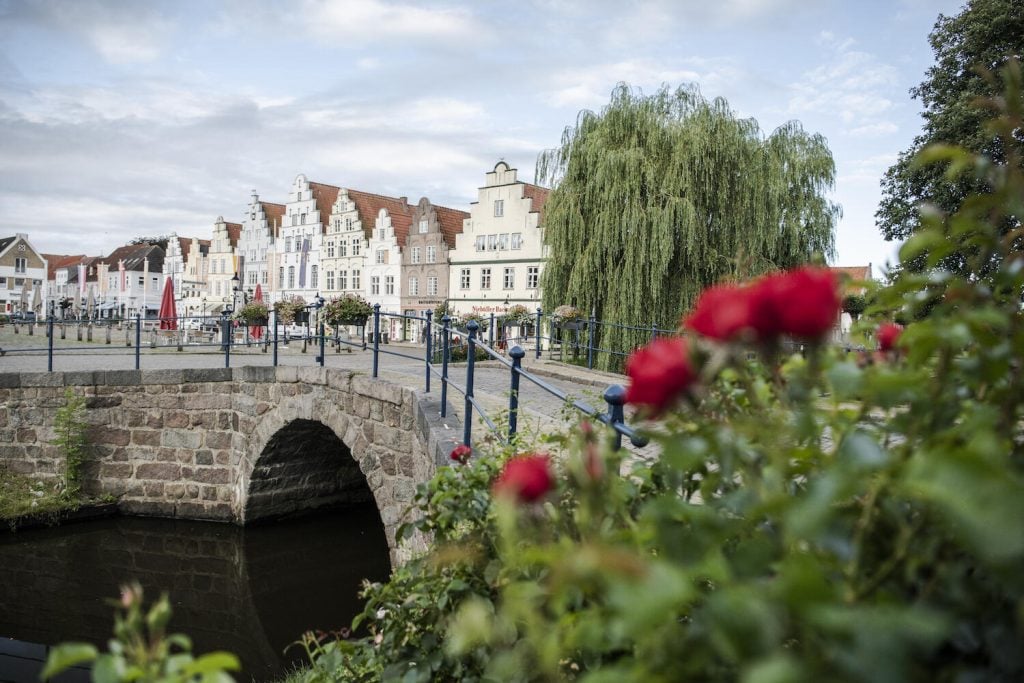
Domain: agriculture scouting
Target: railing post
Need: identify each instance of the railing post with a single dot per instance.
(376, 337)
(654, 330)
(49, 353)
(517, 352)
(446, 340)
(490, 332)
(275, 337)
(138, 339)
(322, 355)
(615, 397)
(226, 339)
(429, 331)
(590, 342)
(467, 418)
(538, 332)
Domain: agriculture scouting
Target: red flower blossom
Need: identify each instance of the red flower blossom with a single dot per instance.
(659, 373)
(888, 335)
(461, 453)
(525, 477)
(722, 312)
(803, 303)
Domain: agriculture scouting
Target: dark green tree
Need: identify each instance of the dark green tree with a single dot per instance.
(658, 196)
(968, 48)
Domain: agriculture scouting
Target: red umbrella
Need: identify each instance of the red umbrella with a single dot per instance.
(257, 330)
(167, 314)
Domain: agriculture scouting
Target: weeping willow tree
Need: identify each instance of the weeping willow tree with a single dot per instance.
(659, 196)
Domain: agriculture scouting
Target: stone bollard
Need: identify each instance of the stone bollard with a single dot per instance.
(88, 332)
(63, 334)
(152, 339)
(31, 329)
(181, 332)
(79, 331)
(127, 335)
(16, 329)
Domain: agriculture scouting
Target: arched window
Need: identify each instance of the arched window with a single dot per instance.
(291, 277)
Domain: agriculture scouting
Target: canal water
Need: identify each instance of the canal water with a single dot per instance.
(251, 591)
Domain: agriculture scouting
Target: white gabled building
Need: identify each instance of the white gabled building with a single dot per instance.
(345, 244)
(384, 263)
(499, 256)
(23, 270)
(257, 243)
(223, 266)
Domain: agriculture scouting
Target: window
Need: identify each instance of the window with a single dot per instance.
(431, 254)
(532, 277)
(485, 278)
(414, 286)
(330, 250)
(508, 281)
(302, 219)
(382, 256)
(330, 279)
(464, 279)
(355, 247)
(389, 284)
(142, 281)
(342, 279)
(294, 219)
(343, 248)
(264, 275)
(20, 264)
(375, 284)
(348, 223)
(314, 277)
(499, 208)
(492, 243)
(432, 285)
(355, 280)
(503, 241)
(517, 240)
(423, 225)
(291, 277)
(481, 240)
(415, 254)
(252, 277)
(287, 244)
(280, 277)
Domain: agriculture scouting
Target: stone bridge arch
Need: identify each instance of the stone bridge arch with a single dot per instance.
(312, 425)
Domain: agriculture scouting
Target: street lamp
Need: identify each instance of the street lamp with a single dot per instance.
(204, 309)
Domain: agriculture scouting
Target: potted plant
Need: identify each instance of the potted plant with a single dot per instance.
(253, 313)
(347, 310)
(287, 309)
(480, 320)
(517, 315)
(568, 317)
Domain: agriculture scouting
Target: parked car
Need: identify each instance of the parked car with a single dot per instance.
(26, 317)
(292, 331)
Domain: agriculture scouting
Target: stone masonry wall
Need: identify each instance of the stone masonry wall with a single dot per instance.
(186, 443)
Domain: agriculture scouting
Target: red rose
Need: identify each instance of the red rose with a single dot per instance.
(461, 453)
(803, 303)
(722, 312)
(525, 477)
(659, 373)
(888, 334)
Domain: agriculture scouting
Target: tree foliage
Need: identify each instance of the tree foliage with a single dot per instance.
(658, 196)
(967, 46)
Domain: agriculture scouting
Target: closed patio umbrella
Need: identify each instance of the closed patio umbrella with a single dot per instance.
(167, 314)
(90, 304)
(257, 330)
(37, 301)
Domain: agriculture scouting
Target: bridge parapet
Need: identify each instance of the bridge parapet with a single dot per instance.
(215, 444)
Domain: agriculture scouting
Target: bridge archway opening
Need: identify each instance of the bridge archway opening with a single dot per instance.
(304, 467)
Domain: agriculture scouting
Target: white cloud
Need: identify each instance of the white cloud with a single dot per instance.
(590, 86)
(875, 129)
(360, 22)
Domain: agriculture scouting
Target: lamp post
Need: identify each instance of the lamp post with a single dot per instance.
(318, 303)
(204, 311)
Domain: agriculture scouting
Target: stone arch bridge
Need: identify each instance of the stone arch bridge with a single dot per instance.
(232, 444)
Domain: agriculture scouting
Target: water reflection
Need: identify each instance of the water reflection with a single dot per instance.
(251, 591)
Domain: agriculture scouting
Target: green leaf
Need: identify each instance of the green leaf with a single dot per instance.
(109, 669)
(862, 452)
(846, 379)
(778, 668)
(65, 656)
(214, 661)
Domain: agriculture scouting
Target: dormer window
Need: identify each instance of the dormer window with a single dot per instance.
(499, 208)
(423, 225)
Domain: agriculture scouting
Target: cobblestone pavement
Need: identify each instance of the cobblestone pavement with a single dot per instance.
(539, 410)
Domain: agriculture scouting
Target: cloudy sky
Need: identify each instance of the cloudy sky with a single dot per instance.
(124, 118)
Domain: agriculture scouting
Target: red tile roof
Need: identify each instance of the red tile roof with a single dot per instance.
(538, 196)
(450, 222)
(325, 196)
(234, 232)
(55, 262)
(134, 255)
(368, 205)
(850, 277)
(274, 214)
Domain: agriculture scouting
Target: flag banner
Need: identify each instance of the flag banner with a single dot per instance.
(302, 263)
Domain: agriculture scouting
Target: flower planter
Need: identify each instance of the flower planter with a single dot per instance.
(349, 321)
(571, 324)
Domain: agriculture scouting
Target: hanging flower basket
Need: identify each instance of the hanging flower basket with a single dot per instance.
(253, 313)
(348, 310)
(568, 318)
